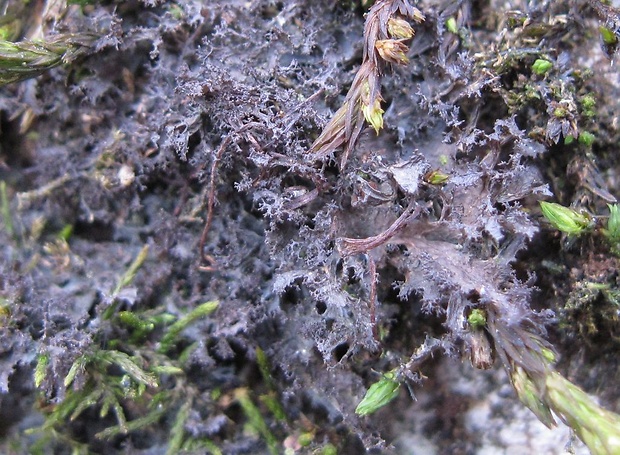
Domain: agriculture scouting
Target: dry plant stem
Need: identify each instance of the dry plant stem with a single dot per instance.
(206, 258)
(349, 246)
(418, 358)
(372, 272)
(302, 200)
(27, 197)
(382, 44)
(294, 115)
(346, 125)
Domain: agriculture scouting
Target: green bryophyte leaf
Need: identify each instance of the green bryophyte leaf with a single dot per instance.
(378, 395)
(565, 219)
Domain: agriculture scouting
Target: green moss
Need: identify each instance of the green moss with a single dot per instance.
(588, 104)
(125, 280)
(477, 319)
(263, 365)
(65, 233)
(177, 432)
(451, 25)
(541, 66)
(177, 12)
(256, 419)
(175, 329)
(272, 402)
(378, 395)
(305, 439)
(40, 370)
(612, 230)
(608, 36)
(565, 219)
(26, 59)
(586, 138)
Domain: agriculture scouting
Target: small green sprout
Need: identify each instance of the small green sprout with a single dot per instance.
(477, 319)
(128, 365)
(565, 219)
(216, 394)
(451, 25)
(134, 425)
(141, 327)
(588, 104)
(126, 280)
(103, 358)
(167, 369)
(568, 140)
(608, 36)
(65, 233)
(263, 365)
(130, 274)
(588, 101)
(612, 232)
(77, 366)
(132, 320)
(40, 370)
(613, 223)
(586, 138)
(436, 178)
(541, 66)
(177, 12)
(379, 394)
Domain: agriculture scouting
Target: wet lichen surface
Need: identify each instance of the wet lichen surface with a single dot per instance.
(262, 227)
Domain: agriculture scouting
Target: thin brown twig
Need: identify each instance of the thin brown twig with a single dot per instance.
(349, 246)
(207, 258)
(372, 271)
(418, 358)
